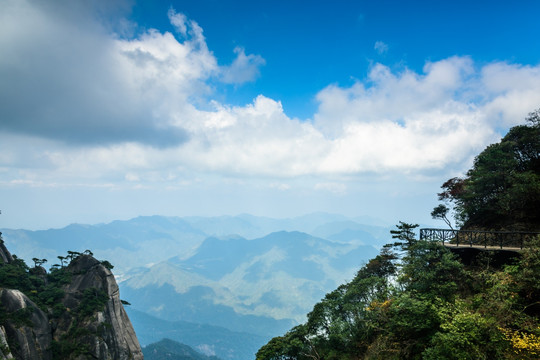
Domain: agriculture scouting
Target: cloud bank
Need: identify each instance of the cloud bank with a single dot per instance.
(80, 100)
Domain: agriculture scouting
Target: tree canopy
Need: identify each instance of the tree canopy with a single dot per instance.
(502, 189)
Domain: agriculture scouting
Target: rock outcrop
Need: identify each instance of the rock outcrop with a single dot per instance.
(28, 329)
(110, 333)
(86, 321)
(5, 255)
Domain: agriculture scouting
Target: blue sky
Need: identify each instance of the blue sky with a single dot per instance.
(307, 47)
(116, 109)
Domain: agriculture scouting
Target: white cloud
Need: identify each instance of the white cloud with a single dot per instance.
(513, 88)
(178, 21)
(245, 68)
(406, 122)
(97, 107)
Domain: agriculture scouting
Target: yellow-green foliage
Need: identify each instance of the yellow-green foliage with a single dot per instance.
(524, 345)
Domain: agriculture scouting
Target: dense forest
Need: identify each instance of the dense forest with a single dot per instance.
(418, 300)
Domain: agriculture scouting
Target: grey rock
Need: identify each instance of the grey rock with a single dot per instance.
(33, 334)
(5, 353)
(103, 333)
(116, 338)
(5, 255)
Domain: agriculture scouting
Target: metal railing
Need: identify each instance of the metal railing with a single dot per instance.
(478, 238)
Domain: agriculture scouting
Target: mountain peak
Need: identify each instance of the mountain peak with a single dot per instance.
(74, 310)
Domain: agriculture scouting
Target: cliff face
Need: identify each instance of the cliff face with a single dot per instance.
(29, 332)
(5, 255)
(110, 333)
(79, 316)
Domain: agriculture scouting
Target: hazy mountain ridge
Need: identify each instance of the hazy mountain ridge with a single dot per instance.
(207, 339)
(280, 275)
(168, 349)
(245, 273)
(133, 242)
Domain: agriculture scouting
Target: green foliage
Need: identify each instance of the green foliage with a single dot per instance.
(441, 212)
(422, 305)
(15, 275)
(107, 264)
(93, 300)
(432, 270)
(404, 233)
(527, 278)
(502, 189)
(72, 344)
(46, 290)
(21, 317)
(38, 262)
(343, 322)
(465, 334)
(167, 349)
(293, 345)
(67, 348)
(412, 320)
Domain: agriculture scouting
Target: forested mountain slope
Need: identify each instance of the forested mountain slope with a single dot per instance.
(168, 349)
(423, 305)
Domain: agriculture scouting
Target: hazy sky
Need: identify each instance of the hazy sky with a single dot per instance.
(110, 110)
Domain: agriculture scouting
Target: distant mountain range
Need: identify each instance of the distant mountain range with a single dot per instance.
(168, 349)
(252, 275)
(228, 281)
(133, 242)
(205, 339)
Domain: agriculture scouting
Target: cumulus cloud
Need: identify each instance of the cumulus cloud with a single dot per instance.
(178, 21)
(245, 68)
(512, 88)
(411, 122)
(393, 121)
(98, 106)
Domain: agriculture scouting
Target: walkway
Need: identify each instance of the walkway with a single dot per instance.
(490, 240)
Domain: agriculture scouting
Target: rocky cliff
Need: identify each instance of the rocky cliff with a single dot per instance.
(74, 312)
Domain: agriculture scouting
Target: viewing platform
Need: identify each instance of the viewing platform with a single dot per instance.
(487, 240)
